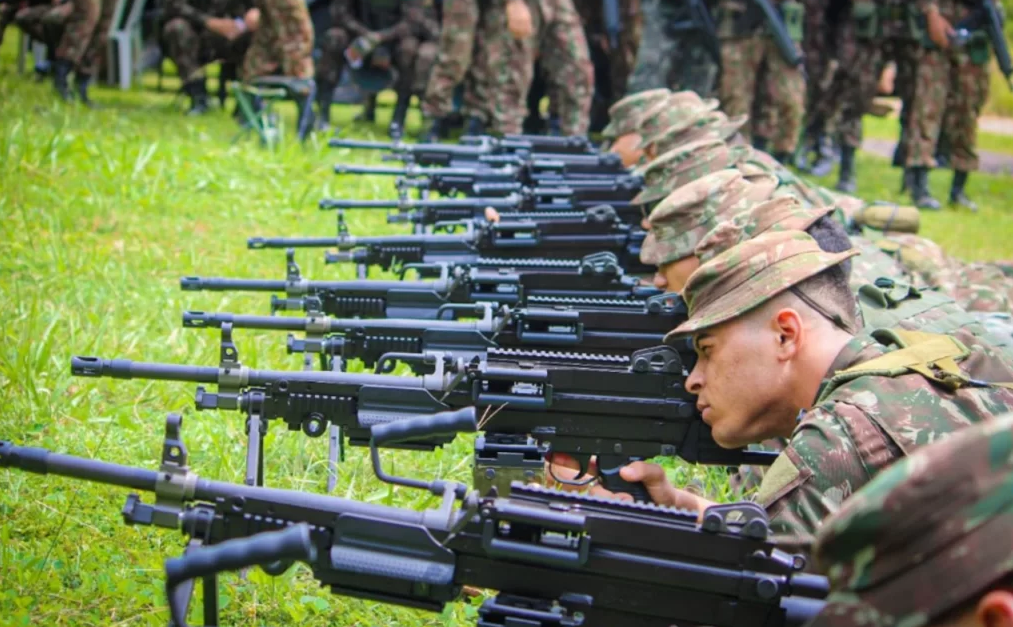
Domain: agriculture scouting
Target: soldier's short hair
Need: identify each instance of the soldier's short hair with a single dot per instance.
(831, 237)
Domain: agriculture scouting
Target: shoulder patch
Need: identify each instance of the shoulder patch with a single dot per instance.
(781, 474)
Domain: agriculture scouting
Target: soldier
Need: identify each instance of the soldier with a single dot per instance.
(44, 21)
(677, 48)
(196, 34)
(383, 34)
(83, 40)
(624, 119)
(780, 354)
(613, 49)
(683, 165)
(927, 542)
(745, 48)
(282, 43)
(946, 76)
(518, 31)
(458, 30)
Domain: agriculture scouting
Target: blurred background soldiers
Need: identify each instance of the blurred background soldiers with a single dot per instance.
(381, 35)
(902, 37)
(84, 38)
(746, 48)
(612, 29)
(197, 32)
(517, 32)
(678, 48)
(7, 10)
(460, 58)
(951, 85)
(43, 22)
(282, 42)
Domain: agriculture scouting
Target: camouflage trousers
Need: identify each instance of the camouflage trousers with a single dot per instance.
(283, 43)
(560, 44)
(677, 60)
(191, 50)
(457, 43)
(44, 22)
(404, 53)
(783, 90)
(854, 85)
(84, 37)
(816, 42)
(949, 93)
(477, 81)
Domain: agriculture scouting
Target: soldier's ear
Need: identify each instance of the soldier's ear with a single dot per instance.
(787, 323)
(995, 609)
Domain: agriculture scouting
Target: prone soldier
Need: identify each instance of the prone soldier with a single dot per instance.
(196, 33)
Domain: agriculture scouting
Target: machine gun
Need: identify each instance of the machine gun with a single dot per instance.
(790, 52)
(986, 17)
(594, 282)
(473, 147)
(602, 189)
(534, 331)
(513, 240)
(554, 558)
(616, 414)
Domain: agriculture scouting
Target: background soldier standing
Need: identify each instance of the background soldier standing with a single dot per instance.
(675, 50)
(43, 21)
(946, 77)
(282, 43)
(84, 38)
(519, 31)
(458, 29)
(197, 33)
(613, 61)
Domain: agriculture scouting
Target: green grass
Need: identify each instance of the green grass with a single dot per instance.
(102, 213)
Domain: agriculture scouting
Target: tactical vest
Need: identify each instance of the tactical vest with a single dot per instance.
(889, 304)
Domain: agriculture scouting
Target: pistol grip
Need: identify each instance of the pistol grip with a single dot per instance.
(609, 478)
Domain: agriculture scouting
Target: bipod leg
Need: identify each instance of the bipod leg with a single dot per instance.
(335, 453)
(209, 585)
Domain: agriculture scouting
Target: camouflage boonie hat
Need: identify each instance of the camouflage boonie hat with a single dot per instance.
(624, 115)
(929, 533)
(687, 214)
(678, 113)
(678, 167)
(749, 274)
(783, 213)
(704, 125)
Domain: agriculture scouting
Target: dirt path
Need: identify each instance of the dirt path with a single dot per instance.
(990, 162)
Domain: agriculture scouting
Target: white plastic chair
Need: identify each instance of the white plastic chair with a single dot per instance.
(25, 45)
(125, 45)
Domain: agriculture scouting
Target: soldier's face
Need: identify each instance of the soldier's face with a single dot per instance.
(740, 383)
(626, 147)
(672, 277)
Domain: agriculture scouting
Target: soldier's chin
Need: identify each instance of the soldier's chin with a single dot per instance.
(725, 435)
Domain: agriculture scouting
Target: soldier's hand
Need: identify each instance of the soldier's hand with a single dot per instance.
(224, 26)
(252, 19)
(939, 28)
(519, 19)
(566, 468)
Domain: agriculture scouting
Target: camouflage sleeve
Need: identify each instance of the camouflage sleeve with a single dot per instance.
(826, 460)
(183, 9)
(342, 14)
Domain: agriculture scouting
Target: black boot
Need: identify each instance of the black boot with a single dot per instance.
(555, 130)
(325, 96)
(846, 181)
(824, 156)
(784, 158)
(957, 196)
(905, 180)
(474, 126)
(198, 93)
(533, 124)
(82, 81)
(396, 128)
(433, 131)
(920, 189)
(760, 143)
(61, 72)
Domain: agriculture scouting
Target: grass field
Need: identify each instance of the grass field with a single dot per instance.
(103, 212)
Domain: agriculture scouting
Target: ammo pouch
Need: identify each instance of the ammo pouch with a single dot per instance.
(793, 13)
(866, 16)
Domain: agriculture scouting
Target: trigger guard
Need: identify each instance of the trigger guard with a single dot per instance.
(573, 482)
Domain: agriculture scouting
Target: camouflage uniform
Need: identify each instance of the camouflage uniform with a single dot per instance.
(191, 45)
(676, 114)
(84, 37)
(927, 536)
(560, 45)
(612, 67)
(684, 165)
(283, 43)
(625, 113)
(867, 414)
(43, 22)
(742, 57)
(457, 42)
(668, 58)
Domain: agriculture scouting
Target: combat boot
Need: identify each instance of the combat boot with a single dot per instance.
(555, 129)
(474, 126)
(919, 182)
(397, 121)
(846, 180)
(905, 180)
(433, 131)
(824, 156)
(325, 96)
(81, 82)
(760, 143)
(368, 113)
(784, 158)
(61, 72)
(198, 93)
(957, 196)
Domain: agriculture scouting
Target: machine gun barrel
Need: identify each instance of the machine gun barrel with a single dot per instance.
(498, 203)
(44, 462)
(220, 284)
